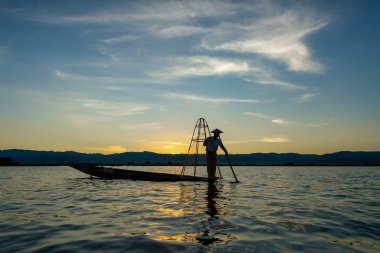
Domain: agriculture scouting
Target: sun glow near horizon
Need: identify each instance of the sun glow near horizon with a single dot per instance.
(275, 76)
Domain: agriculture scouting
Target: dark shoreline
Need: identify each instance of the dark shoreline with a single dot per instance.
(224, 165)
(52, 158)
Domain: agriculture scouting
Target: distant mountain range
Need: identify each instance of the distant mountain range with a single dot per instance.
(31, 157)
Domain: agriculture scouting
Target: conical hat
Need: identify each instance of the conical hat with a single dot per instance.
(216, 130)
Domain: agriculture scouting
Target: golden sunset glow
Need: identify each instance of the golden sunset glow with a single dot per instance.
(273, 76)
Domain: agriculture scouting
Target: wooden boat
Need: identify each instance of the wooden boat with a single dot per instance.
(113, 173)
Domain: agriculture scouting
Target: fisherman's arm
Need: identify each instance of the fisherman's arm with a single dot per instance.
(223, 148)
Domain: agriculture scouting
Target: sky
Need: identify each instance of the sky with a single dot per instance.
(117, 76)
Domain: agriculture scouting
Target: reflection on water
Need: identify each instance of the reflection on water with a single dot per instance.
(213, 229)
(204, 214)
(274, 209)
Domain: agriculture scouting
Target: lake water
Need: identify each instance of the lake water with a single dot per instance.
(273, 209)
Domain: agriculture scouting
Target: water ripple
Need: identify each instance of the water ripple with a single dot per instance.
(274, 209)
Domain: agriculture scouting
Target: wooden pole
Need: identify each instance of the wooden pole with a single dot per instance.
(233, 172)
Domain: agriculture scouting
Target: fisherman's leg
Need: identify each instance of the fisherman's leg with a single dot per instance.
(213, 166)
(209, 164)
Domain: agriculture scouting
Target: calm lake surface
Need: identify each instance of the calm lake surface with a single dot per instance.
(273, 209)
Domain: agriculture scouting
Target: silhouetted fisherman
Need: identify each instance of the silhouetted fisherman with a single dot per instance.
(212, 144)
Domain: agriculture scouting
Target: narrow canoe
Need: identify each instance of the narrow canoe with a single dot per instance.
(113, 173)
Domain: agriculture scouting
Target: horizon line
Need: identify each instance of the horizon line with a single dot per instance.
(106, 154)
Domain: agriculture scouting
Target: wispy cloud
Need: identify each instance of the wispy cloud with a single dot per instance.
(112, 108)
(280, 121)
(105, 81)
(67, 76)
(306, 97)
(121, 39)
(274, 120)
(176, 31)
(208, 99)
(83, 120)
(268, 80)
(244, 32)
(151, 125)
(321, 124)
(275, 139)
(258, 115)
(107, 150)
(279, 36)
(260, 73)
(142, 12)
(176, 143)
(256, 29)
(163, 145)
(194, 66)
